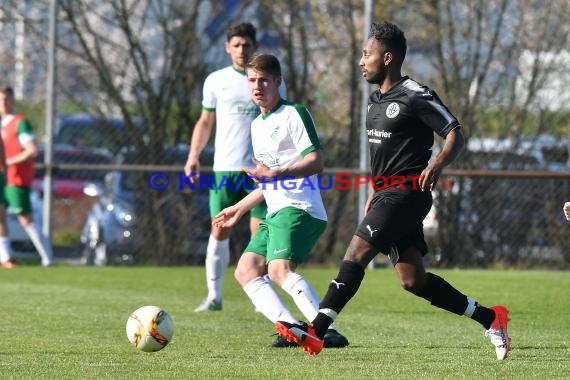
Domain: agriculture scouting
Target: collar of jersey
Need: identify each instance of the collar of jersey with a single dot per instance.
(279, 104)
(393, 88)
(238, 71)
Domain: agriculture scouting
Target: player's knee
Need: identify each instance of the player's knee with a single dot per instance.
(411, 284)
(241, 276)
(278, 275)
(360, 251)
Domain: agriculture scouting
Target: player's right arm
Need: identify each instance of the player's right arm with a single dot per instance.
(200, 136)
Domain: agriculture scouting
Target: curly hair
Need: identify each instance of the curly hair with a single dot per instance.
(391, 36)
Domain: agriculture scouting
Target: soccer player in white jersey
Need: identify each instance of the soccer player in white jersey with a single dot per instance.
(227, 105)
(288, 159)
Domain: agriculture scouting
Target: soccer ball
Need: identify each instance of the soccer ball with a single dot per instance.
(149, 328)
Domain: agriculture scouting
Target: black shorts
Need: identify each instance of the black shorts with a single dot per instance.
(395, 222)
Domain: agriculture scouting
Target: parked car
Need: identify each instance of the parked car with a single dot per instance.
(69, 183)
(86, 131)
(119, 227)
(70, 204)
(543, 152)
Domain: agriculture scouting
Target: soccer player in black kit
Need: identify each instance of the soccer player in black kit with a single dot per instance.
(401, 120)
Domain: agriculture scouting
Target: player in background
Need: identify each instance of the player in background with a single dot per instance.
(5, 249)
(20, 148)
(226, 104)
(401, 120)
(287, 153)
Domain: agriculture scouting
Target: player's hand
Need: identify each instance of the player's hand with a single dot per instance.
(227, 218)
(429, 177)
(368, 205)
(261, 172)
(192, 168)
(566, 210)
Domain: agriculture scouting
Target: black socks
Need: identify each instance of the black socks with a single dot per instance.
(436, 290)
(340, 291)
(441, 294)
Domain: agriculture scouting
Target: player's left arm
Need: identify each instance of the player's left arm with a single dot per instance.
(369, 199)
(454, 142)
(433, 113)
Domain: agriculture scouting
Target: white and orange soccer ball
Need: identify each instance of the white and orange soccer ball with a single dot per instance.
(149, 328)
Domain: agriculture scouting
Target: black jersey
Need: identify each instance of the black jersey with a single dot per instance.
(400, 126)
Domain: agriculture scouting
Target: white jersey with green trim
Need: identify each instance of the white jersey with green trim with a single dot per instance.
(281, 138)
(226, 92)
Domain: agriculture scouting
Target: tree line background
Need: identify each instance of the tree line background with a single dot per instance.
(499, 66)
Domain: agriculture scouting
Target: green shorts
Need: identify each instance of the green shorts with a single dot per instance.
(19, 199)
(289, 234)
(3, 200)
(228, 188)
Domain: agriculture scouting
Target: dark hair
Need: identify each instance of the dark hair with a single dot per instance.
(7, 90)
(391, 37)
(245, 29)
(265, 62)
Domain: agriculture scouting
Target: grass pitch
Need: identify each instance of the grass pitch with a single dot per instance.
(69, 323)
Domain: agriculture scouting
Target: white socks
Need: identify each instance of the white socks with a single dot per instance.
(267, 301)
(40, 242)
(217, 259)
(5, 249)
(303, 294)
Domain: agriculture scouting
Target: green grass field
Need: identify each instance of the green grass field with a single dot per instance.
(69, 323)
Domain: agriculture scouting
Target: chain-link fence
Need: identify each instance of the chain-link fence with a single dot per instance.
(509, 219)
(478, 219)
(137, 68)
(145, 211)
